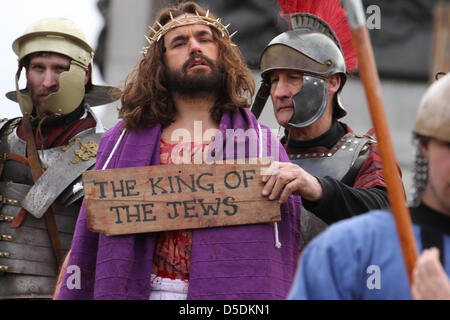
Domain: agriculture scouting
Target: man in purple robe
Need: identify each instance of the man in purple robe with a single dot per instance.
(190, 73)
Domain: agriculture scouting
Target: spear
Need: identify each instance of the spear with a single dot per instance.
(372, 88)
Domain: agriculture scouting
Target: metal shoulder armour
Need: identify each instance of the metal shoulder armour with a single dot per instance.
(337, 162)
(8, 125)
(3, 121)
(342, 163)
(78, 156)
(13, 164)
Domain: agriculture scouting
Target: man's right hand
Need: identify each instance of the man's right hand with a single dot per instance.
(430, 282)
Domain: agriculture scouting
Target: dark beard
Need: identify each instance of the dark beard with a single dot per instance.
(201, 81)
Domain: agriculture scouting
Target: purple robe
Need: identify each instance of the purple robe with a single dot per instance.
(238, 262)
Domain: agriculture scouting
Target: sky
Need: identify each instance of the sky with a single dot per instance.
(17, 15)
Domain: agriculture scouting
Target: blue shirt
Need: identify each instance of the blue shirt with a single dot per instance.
(357, 258)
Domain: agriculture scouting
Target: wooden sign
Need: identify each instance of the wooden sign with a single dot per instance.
(175, 197)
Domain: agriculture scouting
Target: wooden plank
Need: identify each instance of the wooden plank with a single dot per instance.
(175, 197)
(441, 40)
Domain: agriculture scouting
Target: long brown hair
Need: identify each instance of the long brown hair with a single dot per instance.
(146, 98)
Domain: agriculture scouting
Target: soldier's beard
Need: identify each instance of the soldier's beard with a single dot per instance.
(199, 81)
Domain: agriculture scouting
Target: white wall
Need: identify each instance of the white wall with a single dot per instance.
(17, 15)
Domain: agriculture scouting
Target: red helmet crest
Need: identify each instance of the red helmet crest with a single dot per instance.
(334, 15)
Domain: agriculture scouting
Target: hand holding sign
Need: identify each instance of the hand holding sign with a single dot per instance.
(289, 178)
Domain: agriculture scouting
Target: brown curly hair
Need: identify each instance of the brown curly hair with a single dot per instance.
(146, 99)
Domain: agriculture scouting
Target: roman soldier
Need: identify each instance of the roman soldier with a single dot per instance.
(44, 153)
(337, 172)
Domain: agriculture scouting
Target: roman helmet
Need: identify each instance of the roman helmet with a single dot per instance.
(62, 36)
(433, 117)
(312, 47)
(433, 121)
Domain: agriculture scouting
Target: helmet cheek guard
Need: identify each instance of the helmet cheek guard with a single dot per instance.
(312, 49)
(70, 93)
(310, 102)
(24, 100)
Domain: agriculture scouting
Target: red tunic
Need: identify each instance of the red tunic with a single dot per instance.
(173, 249)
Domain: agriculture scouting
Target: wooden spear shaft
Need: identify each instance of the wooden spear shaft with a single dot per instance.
(371, 82)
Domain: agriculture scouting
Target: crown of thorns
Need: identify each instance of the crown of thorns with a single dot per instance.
(187, 20)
